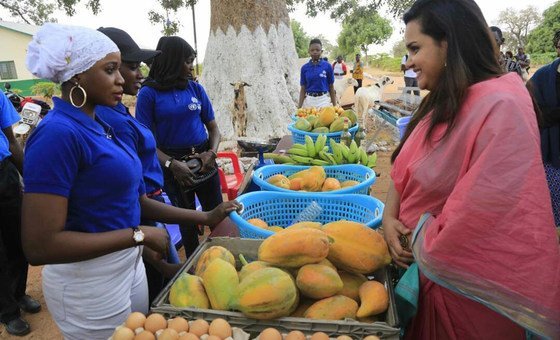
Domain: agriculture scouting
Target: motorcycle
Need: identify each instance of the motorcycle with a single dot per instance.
(31, 111)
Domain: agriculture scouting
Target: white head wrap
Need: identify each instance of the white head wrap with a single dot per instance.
(58, 52)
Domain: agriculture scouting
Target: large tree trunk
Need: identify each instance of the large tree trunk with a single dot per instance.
(251, 41)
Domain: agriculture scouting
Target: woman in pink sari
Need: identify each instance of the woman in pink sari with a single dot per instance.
(469, 189)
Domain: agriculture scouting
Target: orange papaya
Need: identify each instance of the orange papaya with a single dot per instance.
(317, 281)
(294, 248)
(338, 307)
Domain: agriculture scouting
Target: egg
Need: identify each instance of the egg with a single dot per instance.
(371, 337)
(123, 333)
(155, 322)
(145, 335)
(168, 334)
(220, 328)
(199, 327)
(319, 336)
(189, 336)
(179, 324)
(295, 335)
(213, 337)
(135, 320)
(270, 334)
(344, 337)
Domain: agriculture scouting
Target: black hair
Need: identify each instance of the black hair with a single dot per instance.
(315, 41)
(472, 57)
(166, 71)
(499, 32)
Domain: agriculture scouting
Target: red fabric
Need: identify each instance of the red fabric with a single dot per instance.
(492, 233)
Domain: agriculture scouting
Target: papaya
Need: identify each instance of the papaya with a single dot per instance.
(257, 222)
(317, 281)
(330, 184)
(356, 248)
(351, 284)
(351, 115)
(188, 291)
(303, 305)
(327, 263)
(311, 120)
(348, 183)
(275, 228)
(303, 125)
(305, 224)
(311, 179)
(338, 307)
(326, 116)
(250, 267)
(374, 299)
(268, 293)
(337, 125)
(294, 248)
(210, 254)
(295, 184)
(320, 129)
(280, 181)
(220, 281)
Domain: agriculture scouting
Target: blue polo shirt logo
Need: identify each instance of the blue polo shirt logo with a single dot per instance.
(323, 74)
(195, 105)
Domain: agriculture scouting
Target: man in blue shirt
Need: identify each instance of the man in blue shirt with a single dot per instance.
(13, 264)
(316, 80)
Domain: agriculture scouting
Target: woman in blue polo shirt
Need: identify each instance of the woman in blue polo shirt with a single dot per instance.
(180, 115)
(316, 79)
(81, 211)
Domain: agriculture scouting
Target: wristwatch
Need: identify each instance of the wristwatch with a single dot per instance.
(168, 162)
(137, 235)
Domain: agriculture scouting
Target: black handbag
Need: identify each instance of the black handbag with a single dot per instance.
(195, 164)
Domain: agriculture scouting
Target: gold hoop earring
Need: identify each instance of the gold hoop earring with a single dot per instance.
(83, 93)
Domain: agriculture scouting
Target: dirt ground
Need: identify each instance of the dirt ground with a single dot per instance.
(42, 325)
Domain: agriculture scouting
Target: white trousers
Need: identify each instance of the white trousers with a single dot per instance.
(321, 101)
(88, 299)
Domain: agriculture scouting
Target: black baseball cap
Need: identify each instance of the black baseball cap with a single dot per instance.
(129, 49)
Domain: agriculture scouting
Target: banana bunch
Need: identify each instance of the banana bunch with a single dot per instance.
(317, 153)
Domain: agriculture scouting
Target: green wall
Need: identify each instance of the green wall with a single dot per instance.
(23, 85)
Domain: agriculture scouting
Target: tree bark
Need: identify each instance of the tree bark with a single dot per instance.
(251, 41)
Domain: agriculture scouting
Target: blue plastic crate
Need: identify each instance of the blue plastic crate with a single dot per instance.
(298, 136)
(355, 172)
(281, 209)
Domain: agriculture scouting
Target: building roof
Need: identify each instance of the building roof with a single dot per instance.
(19, 27)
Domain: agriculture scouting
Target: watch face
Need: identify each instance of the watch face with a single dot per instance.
(138, 236)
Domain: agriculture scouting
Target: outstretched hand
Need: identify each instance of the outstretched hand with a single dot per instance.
(217, 214)
(394, 231)
(156, 239)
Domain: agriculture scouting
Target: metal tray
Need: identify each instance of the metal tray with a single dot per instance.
(386, 329)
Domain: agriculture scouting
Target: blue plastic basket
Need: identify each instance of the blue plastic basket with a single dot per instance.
(281, 209)
(355, 172)
(298, 136)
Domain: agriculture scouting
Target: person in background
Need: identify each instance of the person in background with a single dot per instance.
(409, 76)
(545, 86)
(13, 264)
(507, 61)
(339, 68)
(523, 59)
(358, 72)
(461, 199)
(316, 79)
(180, 115)
(139, 138)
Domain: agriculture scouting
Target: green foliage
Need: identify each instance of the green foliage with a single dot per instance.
(301, 39)
(385, 62)
(144, 69)
(362, 28)
(399, 49)
(540, 39)
(170, 25)
(539, 59)
(340, 9)
(46, 89)
(516, 25)
(39, 11)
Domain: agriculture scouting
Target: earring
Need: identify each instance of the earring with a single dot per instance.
(83, 93)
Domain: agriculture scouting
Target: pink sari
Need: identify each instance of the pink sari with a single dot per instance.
(486, 245)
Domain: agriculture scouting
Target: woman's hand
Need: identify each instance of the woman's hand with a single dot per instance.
(208, 158)
(393, 231)
(156, 239)
(182, 173)
(217, 214)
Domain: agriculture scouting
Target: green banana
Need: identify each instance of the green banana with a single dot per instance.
(301, 160)
(277, 158)
(337, 152)
(372, 160)
(363, 157)
(319, 162)
(310, 145)
(299, 146)
(323, 156)
(345, 150)
(298, 152)
(320, 143)
(330, 158)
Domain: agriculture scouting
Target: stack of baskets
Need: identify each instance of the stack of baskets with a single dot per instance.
(298, 136)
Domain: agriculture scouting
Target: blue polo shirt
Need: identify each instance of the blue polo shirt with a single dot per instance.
(316, 77)
(8, 117)
(176, 117)
(139, 138)
(71, 155)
